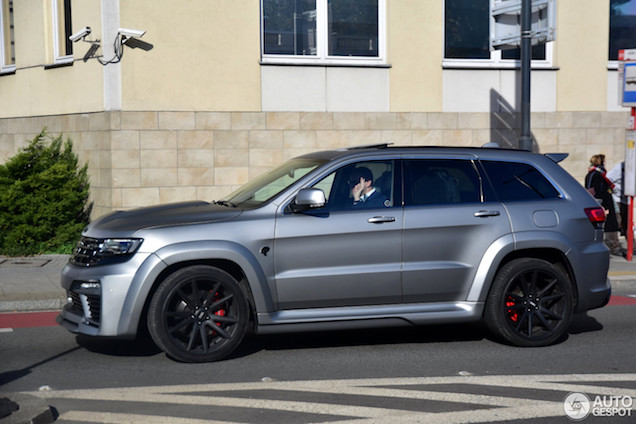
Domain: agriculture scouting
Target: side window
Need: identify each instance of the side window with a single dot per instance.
(61, 30)
(519, 181)
(363, 185)
(434, 182)
(323, 31)
(7, 42)
(466, 38)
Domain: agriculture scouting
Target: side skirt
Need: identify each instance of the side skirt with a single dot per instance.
(348, 318)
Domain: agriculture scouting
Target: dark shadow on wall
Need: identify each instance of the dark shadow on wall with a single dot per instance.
(505, 123)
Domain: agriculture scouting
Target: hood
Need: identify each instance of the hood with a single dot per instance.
(117, 223)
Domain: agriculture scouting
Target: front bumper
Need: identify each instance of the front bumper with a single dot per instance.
(107, 300)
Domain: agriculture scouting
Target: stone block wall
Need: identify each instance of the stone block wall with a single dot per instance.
(144, 158)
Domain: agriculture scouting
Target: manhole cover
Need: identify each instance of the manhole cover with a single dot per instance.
(23, 263)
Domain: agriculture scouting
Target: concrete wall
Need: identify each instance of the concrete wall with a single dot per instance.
(34, 90)
(148, 157)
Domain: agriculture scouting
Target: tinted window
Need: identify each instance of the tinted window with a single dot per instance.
(622, 34)
(289, 27)
(467, 33)
(519, 181)
(432, 182)
(353, 27)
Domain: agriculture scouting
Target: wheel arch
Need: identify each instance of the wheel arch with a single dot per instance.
(552, 255)
(509, 248)
(227, 256)
(228, 266)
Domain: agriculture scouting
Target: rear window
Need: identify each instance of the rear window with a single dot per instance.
(519, 181)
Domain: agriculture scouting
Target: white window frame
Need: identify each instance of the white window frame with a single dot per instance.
(495, 61)
(57, 9)
(4, 44)
(322, 35)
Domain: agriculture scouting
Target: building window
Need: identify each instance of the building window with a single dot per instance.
(62, 29)
(466, 39)
(7, 41)
(323, 31)
(622, 26)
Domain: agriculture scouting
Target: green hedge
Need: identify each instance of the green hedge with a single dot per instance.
(43, 198)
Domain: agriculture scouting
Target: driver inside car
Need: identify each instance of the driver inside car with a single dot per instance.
(364, 194)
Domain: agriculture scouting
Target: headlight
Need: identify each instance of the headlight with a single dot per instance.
(114, 247)
(91, 251)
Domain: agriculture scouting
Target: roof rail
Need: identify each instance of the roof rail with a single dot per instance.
(370, 146)
(557, 157)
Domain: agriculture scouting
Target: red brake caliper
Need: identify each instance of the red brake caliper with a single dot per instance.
(512, 314)
(220, 312)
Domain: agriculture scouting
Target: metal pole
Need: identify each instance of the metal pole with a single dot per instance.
(525, 142)
(630, 204)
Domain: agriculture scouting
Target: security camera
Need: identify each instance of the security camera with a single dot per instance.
(126, 32)
(80, 34)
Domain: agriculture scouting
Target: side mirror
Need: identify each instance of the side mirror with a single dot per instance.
(308, 198)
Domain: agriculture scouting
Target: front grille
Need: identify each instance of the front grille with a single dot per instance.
(86, 252)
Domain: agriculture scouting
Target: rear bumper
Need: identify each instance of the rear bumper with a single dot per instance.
(592, 283)
(596, 298)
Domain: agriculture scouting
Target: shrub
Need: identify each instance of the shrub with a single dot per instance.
(43, 198)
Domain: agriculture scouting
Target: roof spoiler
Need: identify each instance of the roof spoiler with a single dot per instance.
(557, 157)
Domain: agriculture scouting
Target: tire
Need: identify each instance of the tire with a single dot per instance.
(198, 314)
(530, 303)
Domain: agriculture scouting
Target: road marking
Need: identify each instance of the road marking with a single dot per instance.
(28, 319)
(6, 330)
(622, 300)
(460, 406)
(112, 417)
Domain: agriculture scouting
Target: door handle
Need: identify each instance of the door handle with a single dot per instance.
(486, 214)
(381, 219)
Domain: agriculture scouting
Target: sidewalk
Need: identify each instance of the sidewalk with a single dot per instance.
(33, 283)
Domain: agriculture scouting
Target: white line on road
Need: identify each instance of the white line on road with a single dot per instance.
(489, 408)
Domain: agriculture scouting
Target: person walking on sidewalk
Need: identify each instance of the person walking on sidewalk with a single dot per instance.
(599, 186)
(617, 175)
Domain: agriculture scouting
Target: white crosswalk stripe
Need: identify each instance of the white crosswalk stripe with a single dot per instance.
(470, 407)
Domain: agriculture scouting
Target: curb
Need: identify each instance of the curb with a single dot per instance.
(32, 410)
(52, 304)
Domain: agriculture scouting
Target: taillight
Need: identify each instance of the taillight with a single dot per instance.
(596, 216)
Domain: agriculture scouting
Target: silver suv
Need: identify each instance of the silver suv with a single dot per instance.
(345, 239)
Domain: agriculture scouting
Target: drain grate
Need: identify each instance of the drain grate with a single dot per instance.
(23, 263)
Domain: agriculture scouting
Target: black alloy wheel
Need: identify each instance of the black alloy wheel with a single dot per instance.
(198, 314)
(530, 303)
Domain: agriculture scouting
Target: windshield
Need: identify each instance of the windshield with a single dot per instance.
(270, 184)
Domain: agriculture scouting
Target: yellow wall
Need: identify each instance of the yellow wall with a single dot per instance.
(33, 90)
(205, 56)
(415, 53)
(582, 54)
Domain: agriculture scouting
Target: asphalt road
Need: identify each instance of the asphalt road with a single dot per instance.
(429, 374)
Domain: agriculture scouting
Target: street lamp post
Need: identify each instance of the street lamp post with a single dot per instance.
(525, 141)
